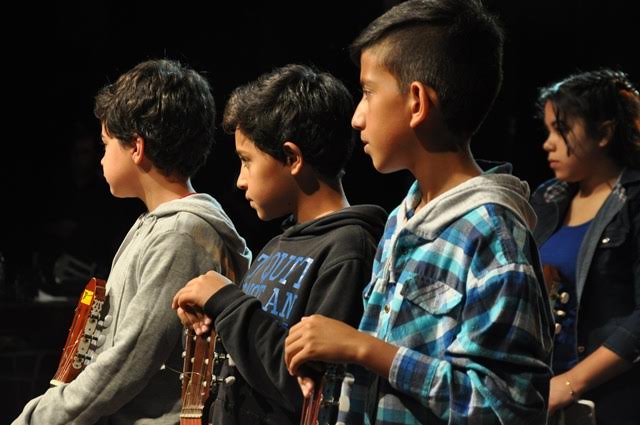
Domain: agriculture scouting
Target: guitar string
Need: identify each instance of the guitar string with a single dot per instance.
(227, 270)
(67, 360)
(193, 397)
(70, 357)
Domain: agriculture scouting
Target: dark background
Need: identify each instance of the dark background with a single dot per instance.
(55, 200)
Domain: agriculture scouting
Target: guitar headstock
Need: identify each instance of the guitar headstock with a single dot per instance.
(203, 359)
(322, 407)
(552, 280)
(84, 336)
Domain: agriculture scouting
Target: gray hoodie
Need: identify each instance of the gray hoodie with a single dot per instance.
(134, 378)
(492, 187)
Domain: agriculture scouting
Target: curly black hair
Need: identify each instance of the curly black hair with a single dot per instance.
(599, 97)
(167, 104)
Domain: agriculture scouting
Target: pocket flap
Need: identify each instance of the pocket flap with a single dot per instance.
(434, 296)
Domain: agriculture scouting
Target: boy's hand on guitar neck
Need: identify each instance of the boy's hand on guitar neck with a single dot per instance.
(319, 338)
(190, 300)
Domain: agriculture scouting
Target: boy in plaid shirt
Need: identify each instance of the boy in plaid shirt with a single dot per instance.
(457, 326)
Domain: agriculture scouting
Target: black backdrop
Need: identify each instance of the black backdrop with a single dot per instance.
(74, 50)
(59, 55)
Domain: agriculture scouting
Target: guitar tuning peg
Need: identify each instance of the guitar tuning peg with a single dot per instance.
(88, 359)
(229, 380)
(184, 354)
(231, 362)
(106, 322)
(97, 341)
(182, 376)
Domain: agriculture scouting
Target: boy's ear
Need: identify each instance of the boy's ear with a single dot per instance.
(137, 150)
(422, 100)
(294, 159)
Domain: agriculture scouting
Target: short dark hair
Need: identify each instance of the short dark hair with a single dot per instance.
(167, 104)
(300, 104)
(453, 46)
(597, 97)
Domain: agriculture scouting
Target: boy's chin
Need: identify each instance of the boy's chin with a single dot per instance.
(262, 215)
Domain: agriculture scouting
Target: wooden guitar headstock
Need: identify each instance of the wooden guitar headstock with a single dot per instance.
(322, 407)
(203, 360)
(83, 335)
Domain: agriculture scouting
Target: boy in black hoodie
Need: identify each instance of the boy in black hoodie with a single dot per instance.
(293, 136)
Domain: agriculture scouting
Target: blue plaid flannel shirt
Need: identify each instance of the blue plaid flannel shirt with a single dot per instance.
(470, 317)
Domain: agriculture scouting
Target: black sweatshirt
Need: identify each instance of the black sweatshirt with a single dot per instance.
(320, 266)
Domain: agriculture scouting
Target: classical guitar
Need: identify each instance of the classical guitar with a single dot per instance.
(204, 356)
(83, 334)
(581, 412)
(203, 360)
(552, 281)
(321, 408)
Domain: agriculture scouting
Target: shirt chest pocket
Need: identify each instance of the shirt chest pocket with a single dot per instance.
(433, 296)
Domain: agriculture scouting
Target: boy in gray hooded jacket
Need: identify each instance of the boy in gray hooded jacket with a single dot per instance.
(158, 123)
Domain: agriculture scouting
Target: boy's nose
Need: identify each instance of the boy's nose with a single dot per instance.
(356, 121)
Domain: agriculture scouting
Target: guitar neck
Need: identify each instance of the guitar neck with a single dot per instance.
(203, 358)
(323, 405)
(197, 375)
(311, 406)
(191, 421)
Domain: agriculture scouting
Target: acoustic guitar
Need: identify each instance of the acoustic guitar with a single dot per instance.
(203, 360)
(552, 280)
(84, 334)
(581, 412)
(204, 356)
(321, 408)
